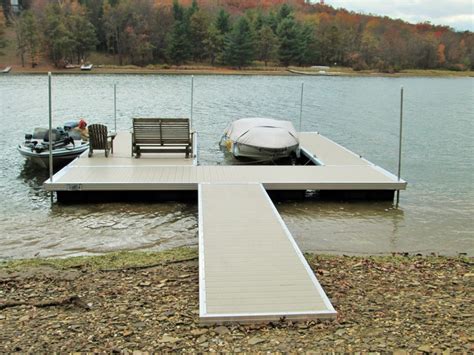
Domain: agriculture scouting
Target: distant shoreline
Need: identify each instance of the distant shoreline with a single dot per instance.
(277, 71)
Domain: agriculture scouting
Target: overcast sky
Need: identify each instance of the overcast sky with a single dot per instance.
(455, 13)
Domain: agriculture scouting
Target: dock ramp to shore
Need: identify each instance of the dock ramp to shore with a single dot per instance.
(250, 268)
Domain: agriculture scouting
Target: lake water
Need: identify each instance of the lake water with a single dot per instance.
(435, 214)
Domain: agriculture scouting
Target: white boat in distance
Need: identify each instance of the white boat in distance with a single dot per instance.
(6, 70)
(261, 139)
(86, 66)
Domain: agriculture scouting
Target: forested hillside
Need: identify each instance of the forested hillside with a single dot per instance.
(231, 33)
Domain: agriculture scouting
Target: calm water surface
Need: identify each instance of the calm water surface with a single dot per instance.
(435, 214)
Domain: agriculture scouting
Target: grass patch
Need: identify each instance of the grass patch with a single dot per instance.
(117, 260)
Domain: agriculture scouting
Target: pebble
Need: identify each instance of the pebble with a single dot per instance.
(198, 332)
(255, 341)
(222, 330)
(169, 339)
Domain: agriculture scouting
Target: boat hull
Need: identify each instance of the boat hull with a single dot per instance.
(239, 150)
(60, 156)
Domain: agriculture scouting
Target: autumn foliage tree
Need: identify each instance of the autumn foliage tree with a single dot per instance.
(294, 32)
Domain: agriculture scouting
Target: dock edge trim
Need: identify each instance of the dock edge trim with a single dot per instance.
(327, 303)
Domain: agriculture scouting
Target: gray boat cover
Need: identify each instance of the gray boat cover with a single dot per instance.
(262, 132)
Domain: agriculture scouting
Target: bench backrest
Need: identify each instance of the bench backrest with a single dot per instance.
(161, 131)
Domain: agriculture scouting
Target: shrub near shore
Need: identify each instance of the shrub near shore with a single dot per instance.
(149, 301)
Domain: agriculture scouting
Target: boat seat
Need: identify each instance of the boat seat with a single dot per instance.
(99, 139)
(161, 135)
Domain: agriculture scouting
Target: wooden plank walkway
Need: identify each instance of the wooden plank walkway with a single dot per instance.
(250, 267)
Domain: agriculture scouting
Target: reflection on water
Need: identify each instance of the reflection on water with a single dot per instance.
(360, 113)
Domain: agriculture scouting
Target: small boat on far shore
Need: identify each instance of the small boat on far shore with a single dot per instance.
(87, 67)
(6, 70)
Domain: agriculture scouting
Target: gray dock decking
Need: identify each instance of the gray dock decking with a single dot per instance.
(341, 170)
(250, 266)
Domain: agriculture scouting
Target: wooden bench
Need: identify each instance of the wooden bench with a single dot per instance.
(161, 135)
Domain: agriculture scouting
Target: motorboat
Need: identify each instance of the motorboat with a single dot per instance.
(86, 66)
(67, 145)
(261, 139)
(6, 70)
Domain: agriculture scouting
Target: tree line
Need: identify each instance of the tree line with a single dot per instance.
(230, 33)
(3, 42)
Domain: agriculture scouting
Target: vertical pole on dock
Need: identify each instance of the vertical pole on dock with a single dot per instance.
(301, 105)
(115, 107)
(400, 145)
(192, 100)
(50, 136)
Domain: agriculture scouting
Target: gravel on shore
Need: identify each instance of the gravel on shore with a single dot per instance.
(127, 302)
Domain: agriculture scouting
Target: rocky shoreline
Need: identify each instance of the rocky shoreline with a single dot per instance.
(131, 301)
(210, 70)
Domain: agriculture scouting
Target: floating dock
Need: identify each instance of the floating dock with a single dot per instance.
(250, 268)
(338, 169)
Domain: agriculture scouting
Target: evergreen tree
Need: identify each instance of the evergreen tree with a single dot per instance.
(59, 40)
(27, 34)
(161, 25)
(223, 22)
(289, 51)
(267, 44)
(307, 50)
(284, 13)
(214, 44)
(260, 21)
(199, 24)
(239, 46)
(193, 9)
(178, 11)
(83, 35)
(272, 21)
(95, 14)
(179, 47)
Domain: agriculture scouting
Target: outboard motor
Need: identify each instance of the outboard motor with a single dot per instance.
(70, 125)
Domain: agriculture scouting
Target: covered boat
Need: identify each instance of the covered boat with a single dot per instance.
(261, 139)
(67, 145)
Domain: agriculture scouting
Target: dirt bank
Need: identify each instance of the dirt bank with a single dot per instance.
(210, 70)
(116, 302)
